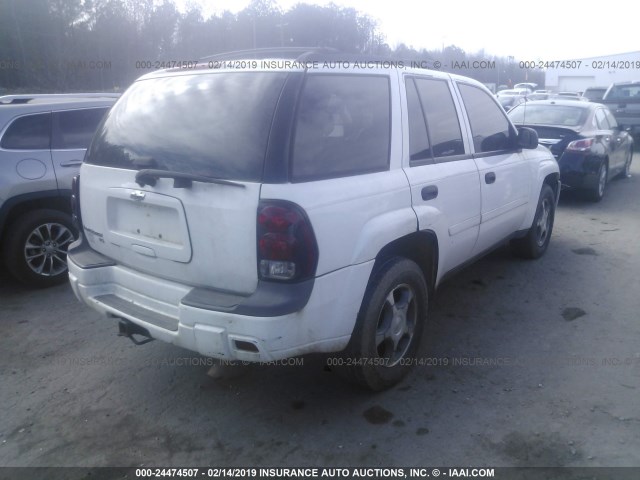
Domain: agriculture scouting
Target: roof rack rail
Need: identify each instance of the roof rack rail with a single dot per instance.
(310, 54)
(279, 52)
(26, 98)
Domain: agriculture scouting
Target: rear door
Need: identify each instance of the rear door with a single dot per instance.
(505, 175)
(212, 126)
(445, 189)
(605, 135)
(619, 138)
(72, 131)
(25, 156)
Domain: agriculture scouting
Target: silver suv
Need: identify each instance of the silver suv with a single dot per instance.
(257, 210)
(43, 139)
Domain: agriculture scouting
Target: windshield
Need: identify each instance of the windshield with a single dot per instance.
(215, 125)
(559, 115)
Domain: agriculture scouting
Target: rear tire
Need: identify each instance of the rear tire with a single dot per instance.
(596, 193)
(35, 250)
(389, 326)
(535, 242)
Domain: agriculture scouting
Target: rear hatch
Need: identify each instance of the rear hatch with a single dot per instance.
(171, 183)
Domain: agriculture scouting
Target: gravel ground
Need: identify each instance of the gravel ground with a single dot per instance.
(526, 364)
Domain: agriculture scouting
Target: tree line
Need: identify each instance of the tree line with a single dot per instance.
(103, 45)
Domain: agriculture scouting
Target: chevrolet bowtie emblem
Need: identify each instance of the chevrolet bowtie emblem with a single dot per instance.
(137, 195)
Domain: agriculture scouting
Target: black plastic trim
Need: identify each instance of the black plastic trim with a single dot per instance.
(85, 257)
(276, 164)
(497, 152)
(270, 299)
(478, 256)
(12, 202)
(454, 158)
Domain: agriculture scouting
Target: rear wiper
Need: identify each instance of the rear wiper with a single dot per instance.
(180, 179)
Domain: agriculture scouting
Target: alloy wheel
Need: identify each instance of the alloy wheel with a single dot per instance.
(45, 250)
(396, 324)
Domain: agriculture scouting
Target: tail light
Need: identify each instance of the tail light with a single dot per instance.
(76, 218)
(583, 145)
(287, 248)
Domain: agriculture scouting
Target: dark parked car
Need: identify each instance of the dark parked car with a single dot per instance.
(510, 101)
(594, 94)
(624, 101)
(584, 137)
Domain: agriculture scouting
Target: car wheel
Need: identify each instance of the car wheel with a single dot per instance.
(389, 326)
(626, 173)
(596, 193)
(535, 242)
(36, 247)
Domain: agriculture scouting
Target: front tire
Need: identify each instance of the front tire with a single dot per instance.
(36, 247)
(536, 241)
(389, 326)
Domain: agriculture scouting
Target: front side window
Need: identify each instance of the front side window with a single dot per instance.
(31, 132)
(489, 125)
(75, 128)
(342, 127)
(442, 119)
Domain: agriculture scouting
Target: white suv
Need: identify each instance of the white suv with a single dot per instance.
(261, 210)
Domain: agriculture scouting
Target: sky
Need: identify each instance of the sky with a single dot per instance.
(544, 30)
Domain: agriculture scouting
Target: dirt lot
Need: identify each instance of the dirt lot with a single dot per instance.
(532, 363)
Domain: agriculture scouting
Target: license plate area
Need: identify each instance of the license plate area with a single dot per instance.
(155, 222)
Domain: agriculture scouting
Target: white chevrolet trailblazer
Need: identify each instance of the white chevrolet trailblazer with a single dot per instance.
(251, 212)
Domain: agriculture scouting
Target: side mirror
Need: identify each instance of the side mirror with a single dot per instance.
(527, 138)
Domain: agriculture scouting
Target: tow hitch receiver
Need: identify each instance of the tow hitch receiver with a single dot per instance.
(129, 329)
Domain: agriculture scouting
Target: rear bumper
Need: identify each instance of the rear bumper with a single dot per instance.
(579, 171)
(214, 323)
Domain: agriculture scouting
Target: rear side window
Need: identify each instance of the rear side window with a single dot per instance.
(214, 124)
(75, 128)
(31, 132)
(489, 125)
(419, 147)
(342, 127)
(601, 120)
(612, 120)
(442, 119)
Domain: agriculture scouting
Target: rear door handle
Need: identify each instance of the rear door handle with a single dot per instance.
(490, 177)
(429, 192)
(71, 163)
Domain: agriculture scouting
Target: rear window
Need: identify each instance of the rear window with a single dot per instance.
(594, 94)
(214, 125)
(342, 127)
(560, 115)
(624, 92)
